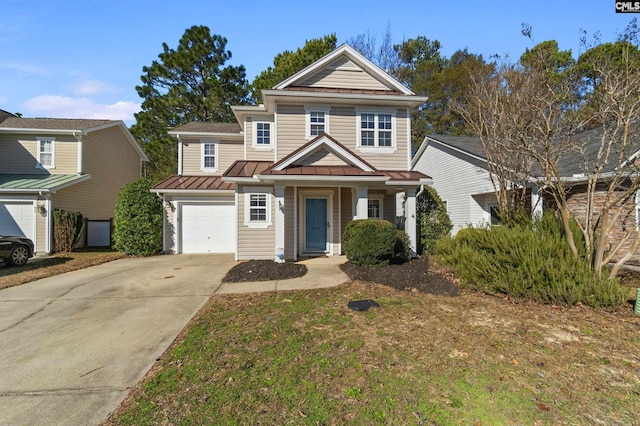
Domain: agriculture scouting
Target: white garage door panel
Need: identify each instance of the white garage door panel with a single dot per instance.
(17, 218)
(208, 228)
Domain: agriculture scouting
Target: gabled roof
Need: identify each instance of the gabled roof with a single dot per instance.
(67, 126)
(206, 127)
(64, 124)
(570, 166)
(355, 57)
(38, 183)
(323, 141)
(5, 114)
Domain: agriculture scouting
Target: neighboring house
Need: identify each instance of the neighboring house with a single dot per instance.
(67, 164)
(330, 144)
(458, 167)
(461, 177)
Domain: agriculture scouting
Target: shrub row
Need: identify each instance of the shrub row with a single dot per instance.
(530, 260)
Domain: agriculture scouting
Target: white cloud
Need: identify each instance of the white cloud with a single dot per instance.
(91, 87)
(67, 107)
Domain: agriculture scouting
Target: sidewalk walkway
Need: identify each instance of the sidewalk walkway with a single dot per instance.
(322, 272)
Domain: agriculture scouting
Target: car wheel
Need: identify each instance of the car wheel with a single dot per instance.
(19, 256)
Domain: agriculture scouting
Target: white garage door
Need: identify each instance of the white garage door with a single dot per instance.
(17, 218)
(208, 228)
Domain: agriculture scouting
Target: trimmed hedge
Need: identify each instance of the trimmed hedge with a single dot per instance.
(369, 242)
(529, 260)
(68, 228)
(138, 220)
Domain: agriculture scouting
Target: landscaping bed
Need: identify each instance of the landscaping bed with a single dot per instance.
(264, 270)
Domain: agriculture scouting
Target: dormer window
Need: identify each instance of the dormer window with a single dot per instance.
(317, 121)
(45, 153)
(376, 129)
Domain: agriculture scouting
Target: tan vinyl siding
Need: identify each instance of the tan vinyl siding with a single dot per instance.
(254, 243)
(344, 74)
(41, 232)
(398, 160)
(389, 205)
(343, 126)
(19, 154)
(347, 207)
(289, 223)
(112, 163)
(228, 152)
(291, 129)
(169, 236)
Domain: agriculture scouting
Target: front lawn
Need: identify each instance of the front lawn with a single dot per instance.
(305, 358)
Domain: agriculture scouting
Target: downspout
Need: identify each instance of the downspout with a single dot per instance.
(47, 224)
(78, 137)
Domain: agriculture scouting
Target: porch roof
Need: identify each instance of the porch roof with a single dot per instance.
(38, 183)
(191, 183)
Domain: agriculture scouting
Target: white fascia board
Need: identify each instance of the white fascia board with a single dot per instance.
(412, 100)
(321, 178)
(410, 182)
(241, 111)
(241, 179)
(484, 160)
(213, 135)
(39, 131)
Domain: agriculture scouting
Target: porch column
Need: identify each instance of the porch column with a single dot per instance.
(279, 217)
(410, 218)
(536, 202)
(362, 203)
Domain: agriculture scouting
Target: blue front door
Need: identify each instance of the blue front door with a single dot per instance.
(316, 224)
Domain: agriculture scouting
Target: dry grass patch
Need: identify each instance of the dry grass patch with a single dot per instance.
(36, 268)
(305, 358)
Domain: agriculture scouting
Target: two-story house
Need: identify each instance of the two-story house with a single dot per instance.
(330, 144)
(67, 164)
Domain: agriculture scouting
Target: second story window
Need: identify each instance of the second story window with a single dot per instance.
(376, 129)
(46, 153)
(317, 121)
(209, 156)
(262, 136)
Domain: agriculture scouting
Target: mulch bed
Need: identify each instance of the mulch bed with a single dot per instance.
(414, 276)
(264, 270)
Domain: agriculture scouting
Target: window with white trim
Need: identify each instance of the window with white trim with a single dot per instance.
(374, 207)
(376, 129)
(209, 156)
(46, 150)
(262, 134)
(317, 121)
(257, 208)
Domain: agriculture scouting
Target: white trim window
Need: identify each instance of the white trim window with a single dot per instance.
(262, 135)
(257, 208)
(374, 207)
(376, 129)
(209, 156)
(46, 153)
(316, 121)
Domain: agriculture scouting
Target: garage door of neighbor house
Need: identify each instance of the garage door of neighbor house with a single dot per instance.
(208, 228)
(17, 218)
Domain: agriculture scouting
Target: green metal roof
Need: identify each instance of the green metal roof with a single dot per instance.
(38, 183)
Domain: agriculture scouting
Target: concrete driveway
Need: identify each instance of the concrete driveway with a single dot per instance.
(72, 345)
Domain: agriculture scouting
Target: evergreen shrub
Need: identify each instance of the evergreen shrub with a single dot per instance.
(529, 260)
(432, 217)
(369, 242)
(138, 220)
(68, 228)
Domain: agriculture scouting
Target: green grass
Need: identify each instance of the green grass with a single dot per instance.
(304, 358)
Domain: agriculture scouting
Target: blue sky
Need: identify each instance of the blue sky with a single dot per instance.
(83, 59)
